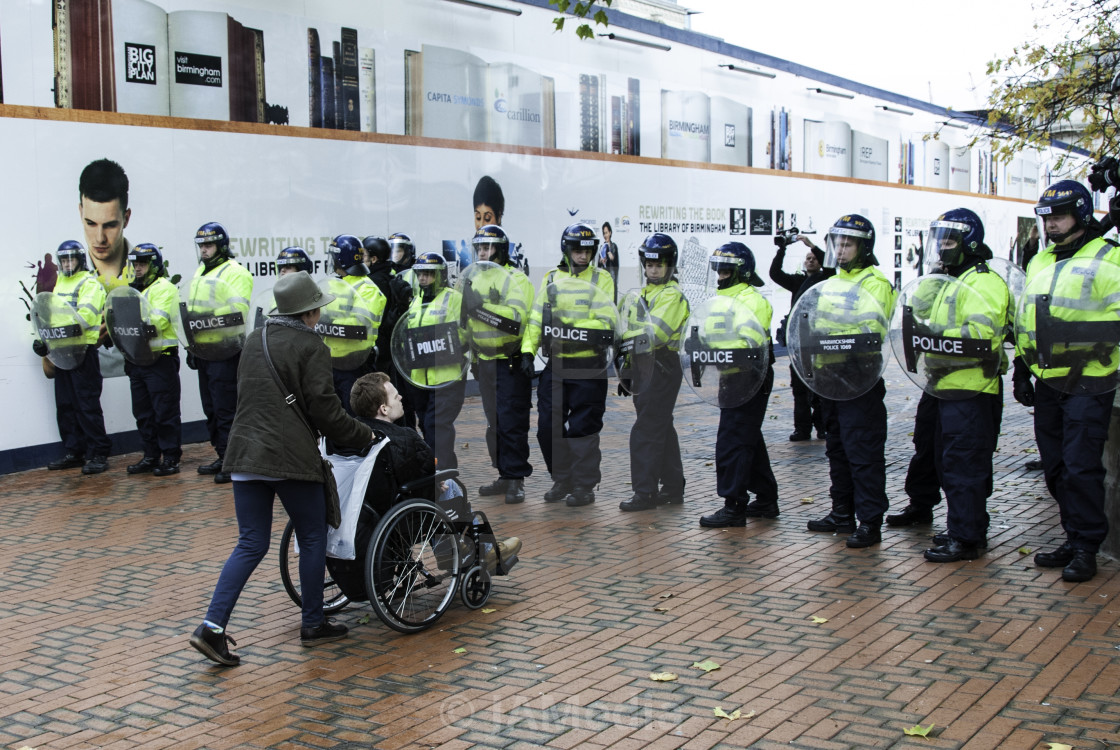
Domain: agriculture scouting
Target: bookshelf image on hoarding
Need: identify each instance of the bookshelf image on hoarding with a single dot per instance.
(456, 95)
(609, 122)
(780, 140)
(340, 84)
(132, 56)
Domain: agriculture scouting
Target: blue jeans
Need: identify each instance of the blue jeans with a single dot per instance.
(306, 506)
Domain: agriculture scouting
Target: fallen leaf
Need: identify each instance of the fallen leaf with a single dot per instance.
(466, 445)
(818, 620)
(707, 665)
(1051, 746)
(806, 499)
(667, 596)
(364, 620)
(1024, 550)
(662, 676)
(720, 713)
(660, 609)
(918, 730)
(708, 464)
(459, 651)
(488, 611)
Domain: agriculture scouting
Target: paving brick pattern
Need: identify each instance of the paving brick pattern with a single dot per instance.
(103, 578)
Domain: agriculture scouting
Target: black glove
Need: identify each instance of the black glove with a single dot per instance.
(39, 347)
(474, 369)
(1022, 388)
(528, 365)
(191, 361)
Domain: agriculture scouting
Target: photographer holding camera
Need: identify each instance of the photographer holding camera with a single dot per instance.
(806, 405)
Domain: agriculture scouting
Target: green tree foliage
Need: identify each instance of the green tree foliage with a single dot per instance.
(1060, 89)
(581, 10)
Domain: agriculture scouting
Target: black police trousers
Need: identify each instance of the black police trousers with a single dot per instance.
(857, 438)
(966, 439)
(1071, 432)
(806, 406)
(655, 452)
(569, 419)
(437, 410)
(217, 385)
(742, 462)
(507, 398)
(156, 394)
(77, 399)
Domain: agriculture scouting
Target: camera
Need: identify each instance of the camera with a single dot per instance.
(1105, 174)
(789, 236)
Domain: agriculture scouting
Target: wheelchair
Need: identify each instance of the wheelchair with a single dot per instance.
(419, 554)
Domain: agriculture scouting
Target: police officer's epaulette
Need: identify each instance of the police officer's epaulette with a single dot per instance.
(982, 267)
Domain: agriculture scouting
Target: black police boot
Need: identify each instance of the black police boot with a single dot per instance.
(515, 491)
(941, 539)
(146, 464)
(798, 435)
(638, 502)
(732, 513)
(166, 468)
(951, 551)
(579, 496)
(69, 461)
(497, 487)
(96, 465)
(559, 491)
(834, 522)
(1059, 558)
(1082, 567)
(223, 477)
(864, 536)
(759, 508)
(667, 496)
(911, 515)
(1033, 465)
(214, 467)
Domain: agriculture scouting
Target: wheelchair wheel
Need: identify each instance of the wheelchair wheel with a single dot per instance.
(412, 566)
(474, 591)
(333, 598)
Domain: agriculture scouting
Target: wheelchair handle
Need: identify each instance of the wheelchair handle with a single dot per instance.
(436, 478)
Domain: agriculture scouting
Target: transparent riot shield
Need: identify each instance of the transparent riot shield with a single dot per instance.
(1012, 275)
(948, 336)
(215, 319)
(725, 352)
(128, 317)
(1067, 327)
(428, 345)
(496, 303)
(346, 325)
(261, 307)
(636, 361)
(578, 325)
(835, 336)
(58, 325)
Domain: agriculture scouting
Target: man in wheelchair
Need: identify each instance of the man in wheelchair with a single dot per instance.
(398, 473)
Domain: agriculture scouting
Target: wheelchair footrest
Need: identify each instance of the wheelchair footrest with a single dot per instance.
(506, 565)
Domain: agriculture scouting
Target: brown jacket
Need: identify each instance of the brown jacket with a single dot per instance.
(268, 437)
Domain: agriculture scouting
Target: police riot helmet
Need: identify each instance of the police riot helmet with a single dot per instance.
(578, 236)
(346, 252)
(658, 248)
(377, 249)
(402, 249)
(71, 250)
(861, 230)
(739, 260)
(494, 237)
(954, 236)
(147, 252)
(431, 261)
(1065, 197)
(295, 258)
(215, 233)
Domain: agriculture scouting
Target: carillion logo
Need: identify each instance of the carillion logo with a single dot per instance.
(524, 114)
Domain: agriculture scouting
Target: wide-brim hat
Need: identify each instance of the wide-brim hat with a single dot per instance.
(297, 293)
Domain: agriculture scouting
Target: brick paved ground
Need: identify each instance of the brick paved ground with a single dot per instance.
(103, 578)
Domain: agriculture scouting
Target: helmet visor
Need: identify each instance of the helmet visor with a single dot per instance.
(843, 245)
(944, 246)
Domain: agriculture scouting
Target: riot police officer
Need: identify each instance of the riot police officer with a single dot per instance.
(155, 382)
(496, 302)
(71, 325)
(293, 260)
(656, 471)
(856, 300)
(221, 291)
(572, 322)
(402, 254)
(358, 304)
(1072, 396)
(742, 461)
(940, 316)
(397, 291)
(435, 371)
